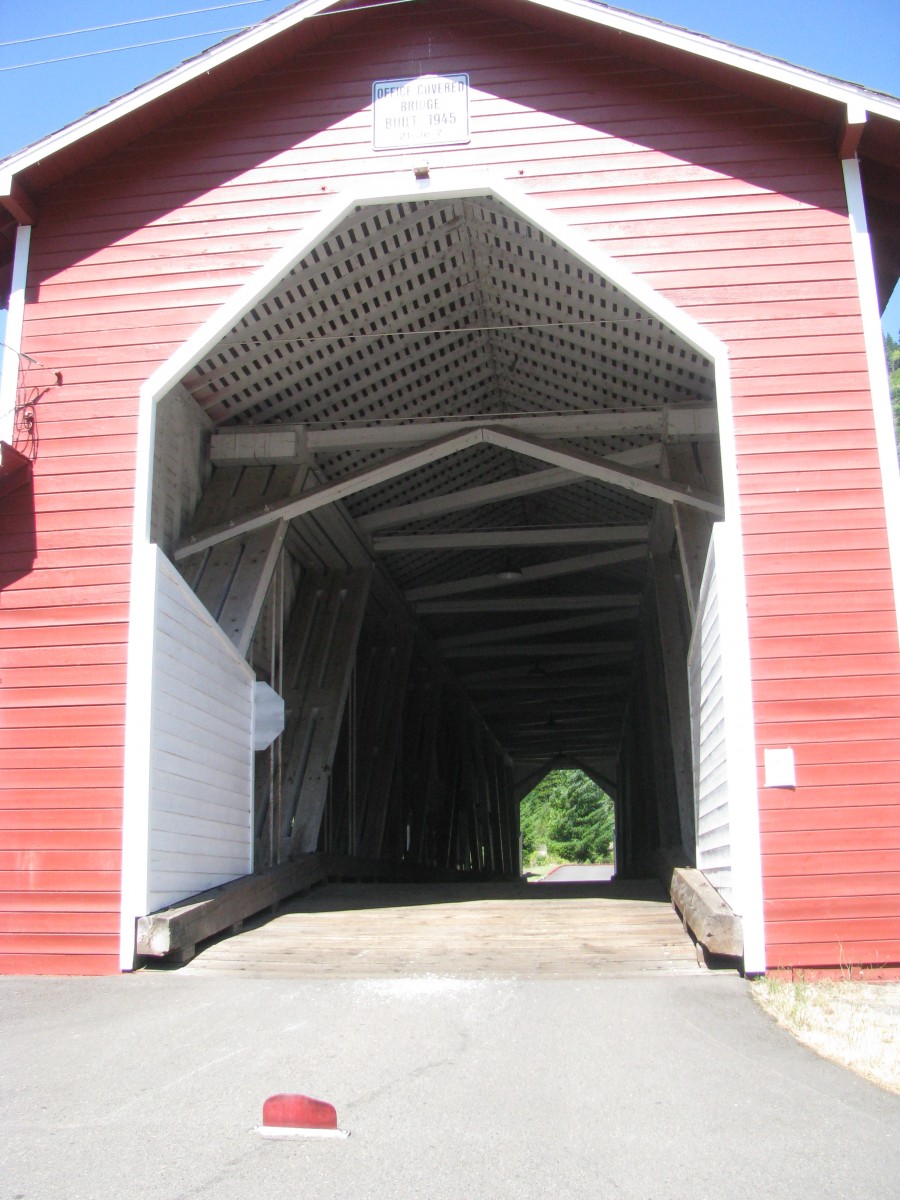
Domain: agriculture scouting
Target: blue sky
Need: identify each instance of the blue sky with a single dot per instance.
(855, 41)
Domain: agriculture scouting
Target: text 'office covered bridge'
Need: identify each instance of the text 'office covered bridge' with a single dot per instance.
(410, 403)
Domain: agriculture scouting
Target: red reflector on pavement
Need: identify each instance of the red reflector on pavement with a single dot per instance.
(292, 1115)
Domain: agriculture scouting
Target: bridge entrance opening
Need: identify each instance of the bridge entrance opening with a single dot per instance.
(449, 489)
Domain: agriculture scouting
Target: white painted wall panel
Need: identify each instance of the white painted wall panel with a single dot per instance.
(201, 763)
(707, 689)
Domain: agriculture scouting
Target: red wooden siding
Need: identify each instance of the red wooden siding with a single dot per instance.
(733, 211)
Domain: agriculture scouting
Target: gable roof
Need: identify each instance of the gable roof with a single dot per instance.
(866, 122)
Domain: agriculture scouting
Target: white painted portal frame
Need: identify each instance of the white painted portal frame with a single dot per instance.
(452, 185)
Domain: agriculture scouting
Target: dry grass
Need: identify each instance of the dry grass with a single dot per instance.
(854, 1024)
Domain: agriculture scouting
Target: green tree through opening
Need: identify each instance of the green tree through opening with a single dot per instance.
(567, 818)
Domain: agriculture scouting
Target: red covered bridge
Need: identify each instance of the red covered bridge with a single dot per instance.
(408, 402)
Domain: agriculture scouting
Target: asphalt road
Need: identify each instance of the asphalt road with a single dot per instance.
(580, 873)
(649, 1089)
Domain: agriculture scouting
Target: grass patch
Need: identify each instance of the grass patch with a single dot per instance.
(854, 1024)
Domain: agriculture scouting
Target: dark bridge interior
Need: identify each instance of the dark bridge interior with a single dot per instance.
(450, 490)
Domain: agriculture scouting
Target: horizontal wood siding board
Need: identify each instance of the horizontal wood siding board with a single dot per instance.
(808, 863)
(72, 961)
(59, 922)
(828, 709)
(821, 604)
(734, 210)
(196, 825)
(798, 544)
(83, 757)
(59, 819)
(54, 723)
(838, 884)
(223, 780)
(182, 726)
(828, 686)
(58, 943)
(793, 524)
(835, 953)
(67, 905)
(817, 908)
(874, 838)
(842, 818)
(64, 861)
(89, 836)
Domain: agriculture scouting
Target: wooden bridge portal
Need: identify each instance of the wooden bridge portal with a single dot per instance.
(449, 490)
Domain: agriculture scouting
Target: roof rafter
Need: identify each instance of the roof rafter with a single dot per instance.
(605, 471)
(486, 539)
(529, 574)
(536, 629)
(504, 604)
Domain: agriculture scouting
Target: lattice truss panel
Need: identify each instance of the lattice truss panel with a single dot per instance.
(434, 308)
(433, 311)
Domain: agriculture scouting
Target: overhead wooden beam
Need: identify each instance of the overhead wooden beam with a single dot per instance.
(526, 668)
(499, 698)
(593, 714)
(328, 493)
(605, 471)
(546, 685)
(611, 651)
(474, 497)
(504, 604)
(504, 489)
(536, 629)
(537, 720)
(259, 446)
(559, 741)
(669, 423)
(568, 462)
(485, 539)
(530, 574)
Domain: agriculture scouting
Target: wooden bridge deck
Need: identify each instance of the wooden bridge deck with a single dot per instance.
(501, 930)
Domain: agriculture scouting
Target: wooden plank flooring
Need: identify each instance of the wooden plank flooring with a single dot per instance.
(464, 930)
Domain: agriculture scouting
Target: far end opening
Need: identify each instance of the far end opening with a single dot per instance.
(568, 821)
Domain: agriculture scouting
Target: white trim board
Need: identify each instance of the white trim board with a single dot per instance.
(138, 742)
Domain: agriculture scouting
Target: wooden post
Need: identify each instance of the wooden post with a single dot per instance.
(694, 465)
(380, 736)
(320, 649)
(673, 642)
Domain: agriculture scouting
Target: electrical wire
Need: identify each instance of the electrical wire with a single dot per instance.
(189, 12)
(260, 342)
(45, 62)
(185, 37)
(21, 354)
